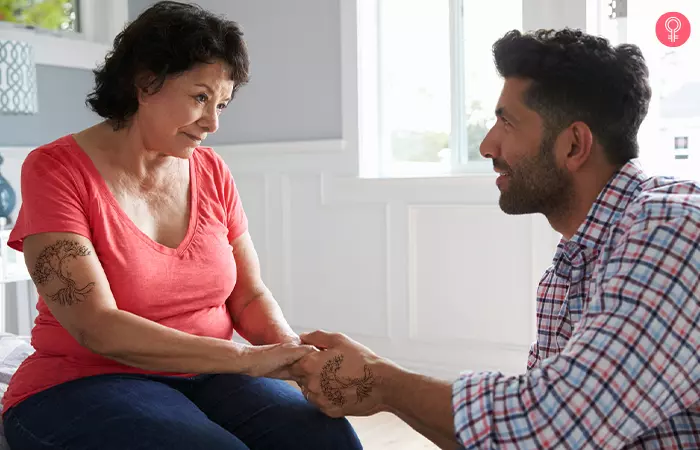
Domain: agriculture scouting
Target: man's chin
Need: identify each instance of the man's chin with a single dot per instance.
(511, 206)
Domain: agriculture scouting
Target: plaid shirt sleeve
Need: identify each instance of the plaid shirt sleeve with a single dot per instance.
(631, 363)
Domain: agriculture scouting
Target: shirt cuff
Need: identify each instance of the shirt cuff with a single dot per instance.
(471, 407)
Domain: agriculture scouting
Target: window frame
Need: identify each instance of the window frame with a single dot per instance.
(362, 121)
(359, 89)
(98, 24)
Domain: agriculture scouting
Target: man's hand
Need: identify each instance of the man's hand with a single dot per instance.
(341, 379)
(345, 378)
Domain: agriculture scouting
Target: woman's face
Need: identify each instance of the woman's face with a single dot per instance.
(177, 118)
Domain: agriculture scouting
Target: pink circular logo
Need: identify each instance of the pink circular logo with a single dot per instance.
(673, 29)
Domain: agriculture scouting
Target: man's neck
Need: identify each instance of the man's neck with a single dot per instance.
(587, 188)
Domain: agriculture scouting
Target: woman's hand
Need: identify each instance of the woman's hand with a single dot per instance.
(274, 361)
(291, 339)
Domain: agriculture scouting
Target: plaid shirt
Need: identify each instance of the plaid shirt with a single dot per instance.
(616, 363)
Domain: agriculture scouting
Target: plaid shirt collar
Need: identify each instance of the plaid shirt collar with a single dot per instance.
(609, 206)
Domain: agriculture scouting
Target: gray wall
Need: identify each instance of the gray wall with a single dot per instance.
(62, 109)
(295, 91)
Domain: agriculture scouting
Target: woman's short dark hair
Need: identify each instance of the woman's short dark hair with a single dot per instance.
(166, 39)
(579, 77)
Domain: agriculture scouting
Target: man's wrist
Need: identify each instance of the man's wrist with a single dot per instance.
(389, 379)
(424, 403)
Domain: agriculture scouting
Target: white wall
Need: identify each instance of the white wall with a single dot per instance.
(426, 271)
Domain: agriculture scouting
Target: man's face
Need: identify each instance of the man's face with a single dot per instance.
(524, 154)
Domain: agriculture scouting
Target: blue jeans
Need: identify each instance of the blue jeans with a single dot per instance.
(207, 412)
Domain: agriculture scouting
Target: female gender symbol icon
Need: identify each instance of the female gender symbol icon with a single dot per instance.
(673, 29)
(673, 25)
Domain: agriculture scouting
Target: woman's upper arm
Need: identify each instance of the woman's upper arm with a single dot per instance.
(236, 218)
(249, 283)
(72, 282)
(53, 231)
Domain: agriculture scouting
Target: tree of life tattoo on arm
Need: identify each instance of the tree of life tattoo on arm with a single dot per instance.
(332, 384)
(51, 264)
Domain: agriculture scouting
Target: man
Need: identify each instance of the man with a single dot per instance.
(616, 361)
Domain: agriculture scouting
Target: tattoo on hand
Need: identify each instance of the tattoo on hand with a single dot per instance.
(332, 384)
(50, 264)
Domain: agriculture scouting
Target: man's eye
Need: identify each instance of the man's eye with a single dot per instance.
(201, 98)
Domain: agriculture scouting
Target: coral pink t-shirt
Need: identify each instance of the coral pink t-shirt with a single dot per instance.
(185, 288)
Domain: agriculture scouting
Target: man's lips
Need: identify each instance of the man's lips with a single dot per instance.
(502, 179)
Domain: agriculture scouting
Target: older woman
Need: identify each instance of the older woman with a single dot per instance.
(137, 241)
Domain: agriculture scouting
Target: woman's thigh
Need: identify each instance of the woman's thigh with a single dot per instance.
(113, 412)
(270, 414)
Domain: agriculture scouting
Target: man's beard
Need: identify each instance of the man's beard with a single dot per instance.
(537, 185)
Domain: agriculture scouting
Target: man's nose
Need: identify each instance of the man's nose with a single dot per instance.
(490, 147)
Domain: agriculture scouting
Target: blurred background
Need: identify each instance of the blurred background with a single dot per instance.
(355, 147)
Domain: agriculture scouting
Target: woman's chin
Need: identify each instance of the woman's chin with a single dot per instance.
(182, 153)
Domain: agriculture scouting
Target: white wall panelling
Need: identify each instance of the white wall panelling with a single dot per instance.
(426, 271)
(466, 277)
(337, 262)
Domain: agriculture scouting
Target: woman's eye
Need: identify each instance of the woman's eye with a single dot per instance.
(222, 106)
(201, 98)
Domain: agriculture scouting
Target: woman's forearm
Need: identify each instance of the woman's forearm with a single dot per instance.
(262, 322)
(139, 342)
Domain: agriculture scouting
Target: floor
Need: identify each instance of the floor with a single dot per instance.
(385, 431)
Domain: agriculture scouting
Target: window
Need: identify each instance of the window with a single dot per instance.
(64, 33)
(436, 84)
(54, 15)
(673, 122)
(428, 85)
(681, 143)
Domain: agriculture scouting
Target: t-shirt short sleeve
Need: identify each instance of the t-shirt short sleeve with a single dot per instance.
(52, 199)
(237, 220)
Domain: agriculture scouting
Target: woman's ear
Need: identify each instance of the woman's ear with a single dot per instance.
(144, 84)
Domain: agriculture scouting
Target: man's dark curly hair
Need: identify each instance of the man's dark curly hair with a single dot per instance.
(165, 40)
(578, 77)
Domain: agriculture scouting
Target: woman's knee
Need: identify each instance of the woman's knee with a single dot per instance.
(124, 432)
(114, 412)
(308, 428)
(271, 414)
(326, 432)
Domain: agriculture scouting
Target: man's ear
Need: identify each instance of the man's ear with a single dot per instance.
(579, 146)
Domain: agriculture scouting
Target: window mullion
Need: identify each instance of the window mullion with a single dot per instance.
(458, 134)
(383, 138)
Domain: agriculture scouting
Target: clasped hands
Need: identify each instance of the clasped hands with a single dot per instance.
(341, 376)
